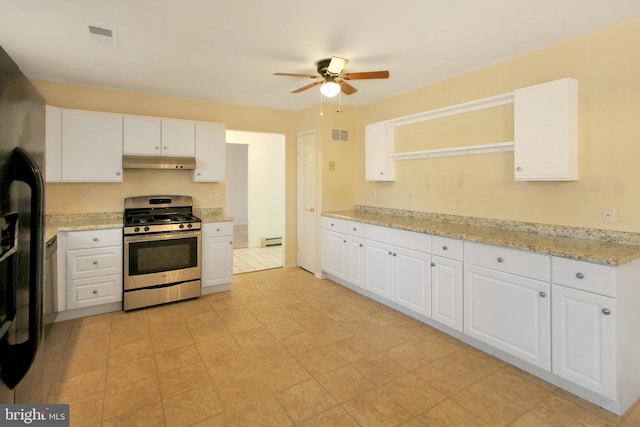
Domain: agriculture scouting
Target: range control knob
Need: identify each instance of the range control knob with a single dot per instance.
(146, 228)
(190, 225)
(136, 229)
(181, 226)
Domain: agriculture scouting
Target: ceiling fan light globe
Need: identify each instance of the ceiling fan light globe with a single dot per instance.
(330, 89)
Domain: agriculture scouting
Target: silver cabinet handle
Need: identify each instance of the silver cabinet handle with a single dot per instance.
(157, 147)
(444, 248)
(217, 229)
(381, 173)
(231, 242)
(344, 241)
(500, 259)
(433, 264)
(543, 294)
(519, 168)
(355, 229)
(580, 275)
(95, 262)
(606, 311)
(95, 239)
(390, 253)
(395, 254)
(360, 244)
(95, 292)
(164, 147)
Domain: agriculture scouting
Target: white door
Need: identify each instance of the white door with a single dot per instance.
(307, 212)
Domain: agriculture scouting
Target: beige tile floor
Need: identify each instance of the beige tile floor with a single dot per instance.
(283, 348)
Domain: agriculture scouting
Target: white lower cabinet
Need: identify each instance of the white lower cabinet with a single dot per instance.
(446, 281)
(93, 269)
(584, 339)
(342, 250)
(573, 323)
(446, 291)
(398, 267)
(509, 312)
(217, 254)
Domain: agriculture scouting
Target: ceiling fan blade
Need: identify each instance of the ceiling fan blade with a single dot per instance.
(297, 75)
(336, 65)
(366, 75)
(303, 88)
(346, 88)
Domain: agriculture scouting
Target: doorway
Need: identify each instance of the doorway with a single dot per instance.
(255, 197)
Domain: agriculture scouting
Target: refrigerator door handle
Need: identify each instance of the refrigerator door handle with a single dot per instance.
(16, 359)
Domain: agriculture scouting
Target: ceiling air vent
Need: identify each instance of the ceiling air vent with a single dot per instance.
(101, 35)
(339, 135)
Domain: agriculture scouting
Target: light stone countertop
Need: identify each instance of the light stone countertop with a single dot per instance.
(102, 220)
(598, 246)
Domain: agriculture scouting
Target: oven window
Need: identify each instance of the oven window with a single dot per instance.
(162, 255)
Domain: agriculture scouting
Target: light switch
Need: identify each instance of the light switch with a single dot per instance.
(332, 165)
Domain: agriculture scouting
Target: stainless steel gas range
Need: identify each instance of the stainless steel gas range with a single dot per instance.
(162, 250)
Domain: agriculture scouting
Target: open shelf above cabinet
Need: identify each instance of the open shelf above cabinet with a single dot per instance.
(545, 134)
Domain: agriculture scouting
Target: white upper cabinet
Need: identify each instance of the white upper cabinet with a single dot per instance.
(546, 132)
(91, 146)
(210, 152)
(379, 144)
(178, 138)
(142, 135)
(53, 136)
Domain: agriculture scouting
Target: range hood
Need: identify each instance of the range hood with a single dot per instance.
(158, 162)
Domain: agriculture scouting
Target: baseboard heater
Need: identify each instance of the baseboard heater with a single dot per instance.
(271, 241)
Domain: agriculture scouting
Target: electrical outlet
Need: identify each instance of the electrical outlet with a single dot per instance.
(374, 195)
(215, 195)
(84, 198)
(609, 215)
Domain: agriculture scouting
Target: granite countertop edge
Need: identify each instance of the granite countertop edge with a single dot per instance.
(56, 223)
(562, 244)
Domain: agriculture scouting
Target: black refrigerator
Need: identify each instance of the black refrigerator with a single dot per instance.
(22, 154)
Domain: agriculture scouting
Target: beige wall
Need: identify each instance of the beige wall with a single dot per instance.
(108, 197)
(605, 63)
(607, 66)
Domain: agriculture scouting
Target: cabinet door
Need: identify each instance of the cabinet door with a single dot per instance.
(546, 131)
(355, 261)
(141, 135)
(178, 138)
(583, 339)
(91, 146)
(379, 143)
(83, 263)
(53, 137)
(217, 260)
(412, 280)
(509, 312)
(446, 291)
(210, 152)
(377, 277)
(334, 253)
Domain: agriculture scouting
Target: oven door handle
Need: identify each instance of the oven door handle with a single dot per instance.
(161, 236)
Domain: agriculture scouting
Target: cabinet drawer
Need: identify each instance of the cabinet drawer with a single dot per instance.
(446, 247)
(585, 276)
(213, 229)
(402, 238)
(334, 224)
(95, 291)
(527, 264)
(94, 239)
(355, 228)
(85, 263)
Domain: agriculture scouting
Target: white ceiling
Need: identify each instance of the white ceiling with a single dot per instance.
(227, 50)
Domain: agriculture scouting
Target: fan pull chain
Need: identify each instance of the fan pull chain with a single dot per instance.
(339, 110)
(321, 113)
